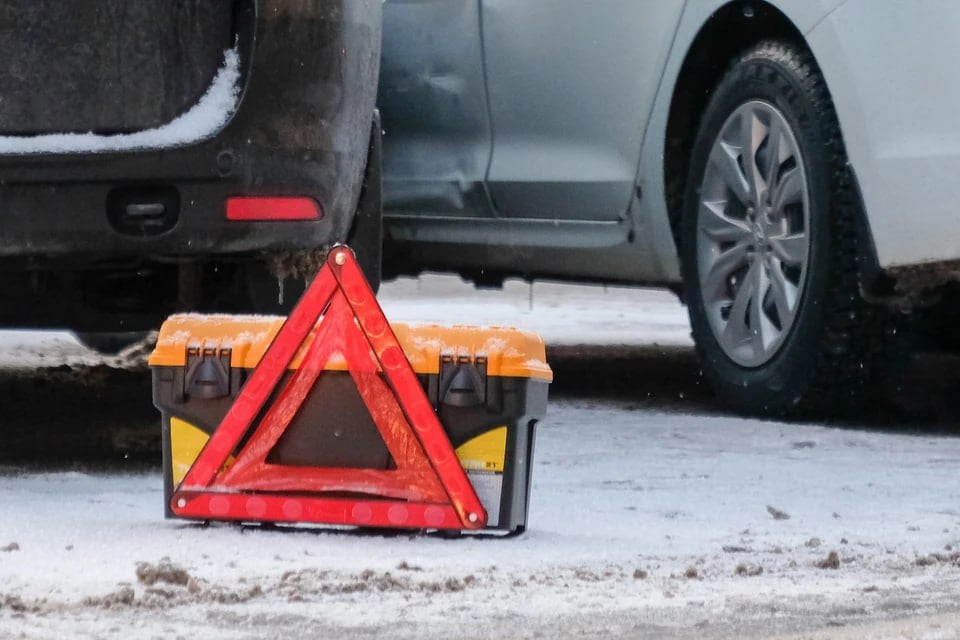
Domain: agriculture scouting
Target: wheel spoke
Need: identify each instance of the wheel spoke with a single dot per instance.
(718, 226)
(792, 250)
(788, 191)
(776, 151)
(756, 310)
(783, 297)
(714, 283)
(737, 331)
(724, 159)
(751, 135)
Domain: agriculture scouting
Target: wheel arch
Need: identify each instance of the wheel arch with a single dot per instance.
(730, 29)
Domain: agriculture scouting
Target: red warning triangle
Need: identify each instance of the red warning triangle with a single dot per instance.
(428, 489)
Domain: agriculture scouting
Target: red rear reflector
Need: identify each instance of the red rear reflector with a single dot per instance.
(273, 209)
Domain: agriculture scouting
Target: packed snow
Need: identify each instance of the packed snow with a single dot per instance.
(562, 314)
(644, 523)
(201, 121)
(636, 515)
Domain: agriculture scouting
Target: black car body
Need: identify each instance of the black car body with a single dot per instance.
(115, 213)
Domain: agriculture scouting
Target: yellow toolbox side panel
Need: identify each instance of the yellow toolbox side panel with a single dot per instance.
(186, 443)
(486, 452)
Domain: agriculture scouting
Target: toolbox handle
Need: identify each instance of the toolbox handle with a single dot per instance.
(208, 374)
(463, 382)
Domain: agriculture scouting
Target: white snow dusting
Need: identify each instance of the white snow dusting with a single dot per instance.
(204, 119)
(562, 314)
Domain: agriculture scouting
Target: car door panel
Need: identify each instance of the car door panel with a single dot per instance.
(570, 86)
(433, 99)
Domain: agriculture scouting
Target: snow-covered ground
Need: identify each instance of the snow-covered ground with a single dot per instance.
(563, 314)
(645, 523)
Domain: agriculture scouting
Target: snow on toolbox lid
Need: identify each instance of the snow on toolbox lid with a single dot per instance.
(510, 353)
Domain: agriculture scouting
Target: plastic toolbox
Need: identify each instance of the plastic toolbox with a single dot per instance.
(487, 385)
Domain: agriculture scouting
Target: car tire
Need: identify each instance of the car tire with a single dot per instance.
(769, 244)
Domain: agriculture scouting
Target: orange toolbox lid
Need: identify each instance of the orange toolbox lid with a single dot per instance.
(510, 353)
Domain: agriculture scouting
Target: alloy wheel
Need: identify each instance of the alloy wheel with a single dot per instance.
(753, 233)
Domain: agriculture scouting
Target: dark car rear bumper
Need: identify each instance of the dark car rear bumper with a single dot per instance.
(308, 75)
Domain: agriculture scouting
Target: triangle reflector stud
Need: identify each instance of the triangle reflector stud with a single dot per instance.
(339, 318)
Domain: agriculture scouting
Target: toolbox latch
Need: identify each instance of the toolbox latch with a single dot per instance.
(208, 373)
(463, 381)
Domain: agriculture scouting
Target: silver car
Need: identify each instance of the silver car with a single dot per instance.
(791, 167)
